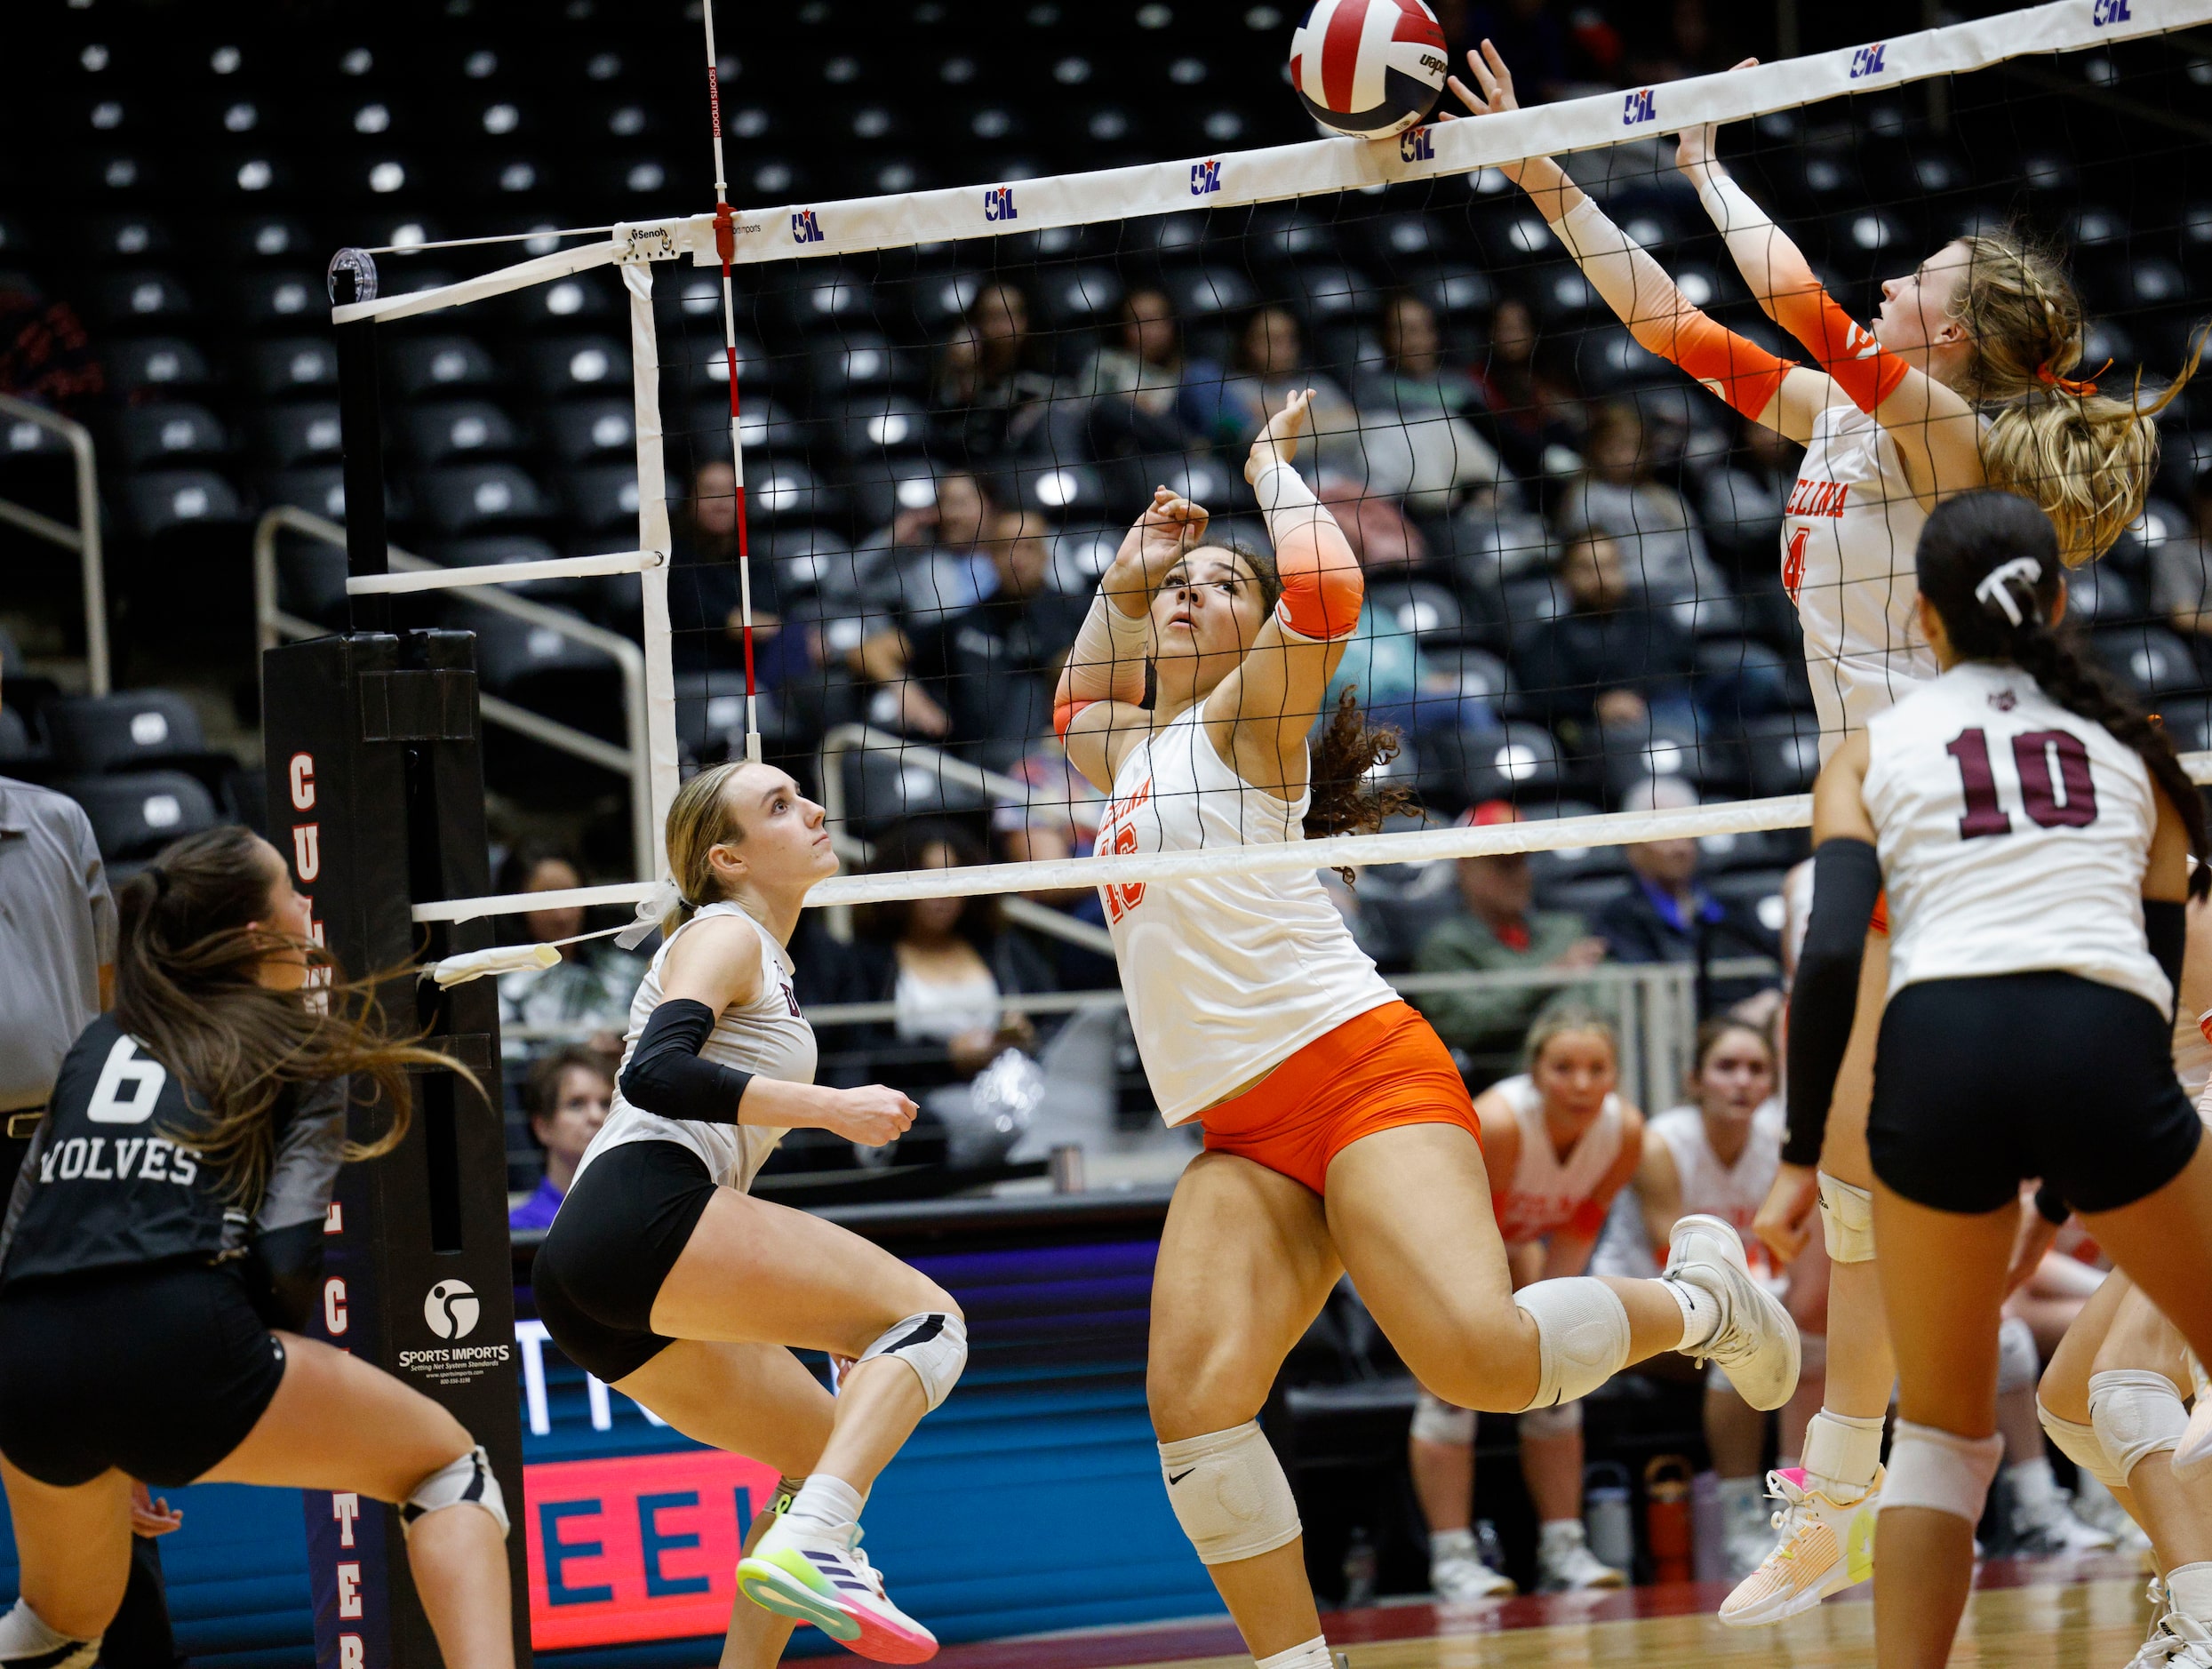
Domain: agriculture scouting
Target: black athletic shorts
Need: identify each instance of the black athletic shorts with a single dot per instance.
(1980, 1083)
(159, 1371)
(617, 1235)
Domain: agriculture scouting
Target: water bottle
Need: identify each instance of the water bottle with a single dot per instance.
(1666, 1517)
(1359, 1569)
(1605, 1513)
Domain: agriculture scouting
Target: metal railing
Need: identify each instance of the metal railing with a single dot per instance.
(829, 760)
(630, 762)
(83, 539)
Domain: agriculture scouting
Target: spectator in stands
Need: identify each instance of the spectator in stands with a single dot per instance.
(586, 995)
(566, 1096)
(1382, 660)
(1442, 458)
(2181, 576)
(1270, 367)
(705, 597)
(1142, 385)
(947, 964)
(1661, 545)
(1057, 817)
(1500, 931)
(1743, 498)
(1612, 659)
(980, 678)
(988, 397)
(932, 557)
(1664, 916)
(1532, 408)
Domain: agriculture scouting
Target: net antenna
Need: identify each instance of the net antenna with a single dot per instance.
(725, 244)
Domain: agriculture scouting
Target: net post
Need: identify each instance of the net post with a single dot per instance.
(361, 433)
(663, 769)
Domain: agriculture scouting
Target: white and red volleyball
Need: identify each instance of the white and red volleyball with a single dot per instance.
(1367, 68)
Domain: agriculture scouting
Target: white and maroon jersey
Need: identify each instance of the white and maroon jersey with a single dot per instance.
(1225, 978)
(1848, 534)
(767, 1037)
(1731, 1193)
(2013, 835)
(1548, 1193)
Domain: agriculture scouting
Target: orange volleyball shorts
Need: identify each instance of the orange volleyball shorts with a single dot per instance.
(1377, 1071)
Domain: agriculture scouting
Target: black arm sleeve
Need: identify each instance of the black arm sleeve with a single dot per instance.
(2166, 925)
(666, 1076)
(1847, 881)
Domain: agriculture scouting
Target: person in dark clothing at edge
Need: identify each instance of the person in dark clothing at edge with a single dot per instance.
(1664, 916)
(164, 1244)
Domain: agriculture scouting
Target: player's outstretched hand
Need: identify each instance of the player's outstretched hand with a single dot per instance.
(1278, 443)
(870, 1115)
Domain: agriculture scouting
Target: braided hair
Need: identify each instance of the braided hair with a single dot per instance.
(1990, 565)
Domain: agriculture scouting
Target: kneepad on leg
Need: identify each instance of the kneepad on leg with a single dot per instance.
(1582, 1336)
(2018, 1366)
(1437, 1421)
(1229, 1494)
(1940, 1470)
(2136, 1414)
(1563, 1420)
(1846, 1220)
(26, 1638)
(466, 1481)
(2082, 1445)
(933, 1344)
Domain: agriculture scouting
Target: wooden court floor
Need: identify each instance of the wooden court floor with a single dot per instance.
(2032, 1615)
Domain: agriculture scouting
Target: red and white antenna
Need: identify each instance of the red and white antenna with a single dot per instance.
(725, 245)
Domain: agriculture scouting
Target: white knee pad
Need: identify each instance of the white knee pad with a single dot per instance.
(934, 1344)
(467, 1480)
(1941, 1471)
(2136, 1414)
(2018, 1367)
(2081, 1445)
(1437, 1421)
(1846, 1220)
(1229, 1494)
(26, 1638)
(1582, 1336)
(1563, 1420)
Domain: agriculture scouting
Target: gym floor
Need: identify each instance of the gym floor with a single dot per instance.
(2026, 1614)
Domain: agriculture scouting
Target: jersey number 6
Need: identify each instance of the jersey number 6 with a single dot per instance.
(2056, 788)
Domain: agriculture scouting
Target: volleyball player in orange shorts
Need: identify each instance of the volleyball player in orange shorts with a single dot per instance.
(1339, 1140)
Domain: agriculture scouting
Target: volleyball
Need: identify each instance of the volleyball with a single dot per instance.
(1367, 68)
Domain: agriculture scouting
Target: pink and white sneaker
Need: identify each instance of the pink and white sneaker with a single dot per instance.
(828, 1581)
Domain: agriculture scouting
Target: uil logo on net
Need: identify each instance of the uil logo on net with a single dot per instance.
(450, 1309)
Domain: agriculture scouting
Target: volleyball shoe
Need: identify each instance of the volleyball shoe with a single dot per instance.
(1755, 1342)
(794, 1570)
(1827, 1545)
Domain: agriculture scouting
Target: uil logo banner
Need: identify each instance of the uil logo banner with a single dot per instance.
(450, 1308)
(1205, 177)
(1867, 60)
(2105, 14)
(1416, 145)
(805, 229)
(998, 204)
(1637, 107)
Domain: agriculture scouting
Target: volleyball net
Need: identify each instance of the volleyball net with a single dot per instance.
(953, 402)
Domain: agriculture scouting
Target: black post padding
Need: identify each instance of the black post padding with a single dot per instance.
(376, 798)
(361, 432)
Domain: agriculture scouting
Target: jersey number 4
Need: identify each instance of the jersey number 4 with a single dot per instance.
(2056, 788)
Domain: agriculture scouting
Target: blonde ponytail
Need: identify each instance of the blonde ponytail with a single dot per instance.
(2085, 459)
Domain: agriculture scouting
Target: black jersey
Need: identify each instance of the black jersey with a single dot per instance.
(111, 1179)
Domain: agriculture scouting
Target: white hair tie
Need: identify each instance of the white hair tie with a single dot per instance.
(664, 901)
(1995, 589)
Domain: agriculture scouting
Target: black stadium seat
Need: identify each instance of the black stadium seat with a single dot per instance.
(166, 499)
(133, 730)
(134, 816)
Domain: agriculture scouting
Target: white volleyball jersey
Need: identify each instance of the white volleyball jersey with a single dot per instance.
(2013, 835)
(1225, 978)
(1731, 1193)
(1848, 534)
(767, 1037)
(1547, 1193)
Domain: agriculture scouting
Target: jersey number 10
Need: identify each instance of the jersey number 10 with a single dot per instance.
(2056, 788)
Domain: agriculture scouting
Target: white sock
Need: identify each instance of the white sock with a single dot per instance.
(1557, 1537)
(1313, 1655)
(1451, 1544)
(2034, 1491)
(2189, 1590)
(1701, 1314)
(827, 1503)
(1843, 1450)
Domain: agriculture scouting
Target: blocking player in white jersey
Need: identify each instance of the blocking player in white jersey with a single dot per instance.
(1960, 382)
(2033, 830)
(1340, 1138)
(1559, 1143)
